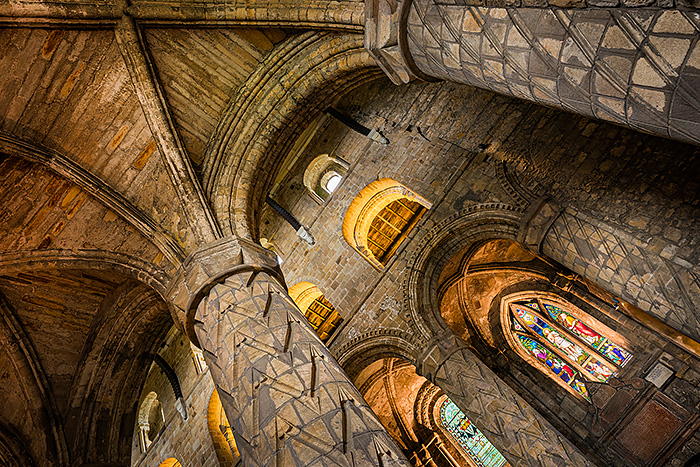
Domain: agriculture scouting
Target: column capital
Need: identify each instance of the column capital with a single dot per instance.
(209, 265)
(386, 39)
(536, 222)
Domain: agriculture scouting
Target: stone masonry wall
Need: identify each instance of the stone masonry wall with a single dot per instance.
(187, 441)
(448, 143)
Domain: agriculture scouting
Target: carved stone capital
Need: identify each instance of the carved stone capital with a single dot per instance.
(212, 264)
(385, 39)
(436, 352)
(537, 221)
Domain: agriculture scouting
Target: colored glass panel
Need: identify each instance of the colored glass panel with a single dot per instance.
(479, 448)
(543, 329)
(558, 366)
(597, 369)
(614, 353)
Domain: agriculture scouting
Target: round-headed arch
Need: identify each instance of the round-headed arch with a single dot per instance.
(380, 217)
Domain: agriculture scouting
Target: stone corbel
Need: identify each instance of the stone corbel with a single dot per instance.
(386, 40)
(537, 221)
(210, 265)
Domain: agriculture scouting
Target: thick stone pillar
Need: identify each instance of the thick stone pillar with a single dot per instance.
(647, 274)
(636, 67)
(288, 401)
(522, 435)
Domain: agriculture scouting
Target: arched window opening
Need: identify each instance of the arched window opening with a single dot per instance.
(331, 182)
(563, 346)
(151, 420)
(323, 175)
(322, 315)
(380, 218)
(221, 432)
(479, 448)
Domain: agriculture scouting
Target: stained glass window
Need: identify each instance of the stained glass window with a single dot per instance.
(480, 449)
(571, 350)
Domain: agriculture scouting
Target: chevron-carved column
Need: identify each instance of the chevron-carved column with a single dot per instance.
(522, 435)
(288, 400)
(639, 68)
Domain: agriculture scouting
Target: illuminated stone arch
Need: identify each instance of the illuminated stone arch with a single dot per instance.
(322, 173)
(221, 433)
(170, 462)
(380, 218)
(321, 313)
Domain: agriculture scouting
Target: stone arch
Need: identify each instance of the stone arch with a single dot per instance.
(319, 172)
(355, 354)
(221, 433)
(108, 389)
(320, 313)
(262, 123)
(170, 462)
(367, 205)
(13, 449)
(463, 230)
(136, 268)
(150, 420)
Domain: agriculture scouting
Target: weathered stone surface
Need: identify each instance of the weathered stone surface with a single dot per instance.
(514, 427)
(285, 396)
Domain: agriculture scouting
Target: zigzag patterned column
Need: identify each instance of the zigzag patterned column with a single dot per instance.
(636, 67)
(522, 435)
(288, 401)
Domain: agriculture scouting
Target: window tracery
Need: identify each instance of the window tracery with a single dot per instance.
(572, 352)
(479, 448)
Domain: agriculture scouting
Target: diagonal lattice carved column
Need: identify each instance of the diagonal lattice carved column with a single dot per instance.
(522, 435)
(288, 400)
(639, 68)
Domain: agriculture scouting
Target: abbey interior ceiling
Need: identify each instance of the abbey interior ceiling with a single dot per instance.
(304, 233)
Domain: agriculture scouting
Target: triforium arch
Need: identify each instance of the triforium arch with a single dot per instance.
(321, 313)
(323, 175)
(150, 420)
(370, 233)
(323, 66)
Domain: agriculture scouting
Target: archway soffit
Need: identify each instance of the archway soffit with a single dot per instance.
(473, 224)
(97, 188)
(42, 405)
(296, 80)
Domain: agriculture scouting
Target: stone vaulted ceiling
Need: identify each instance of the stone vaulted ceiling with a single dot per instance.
(125, 133)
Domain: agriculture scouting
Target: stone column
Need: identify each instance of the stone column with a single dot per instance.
(522, 435)
(288, 401)
(647, 274)
(636, 67)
